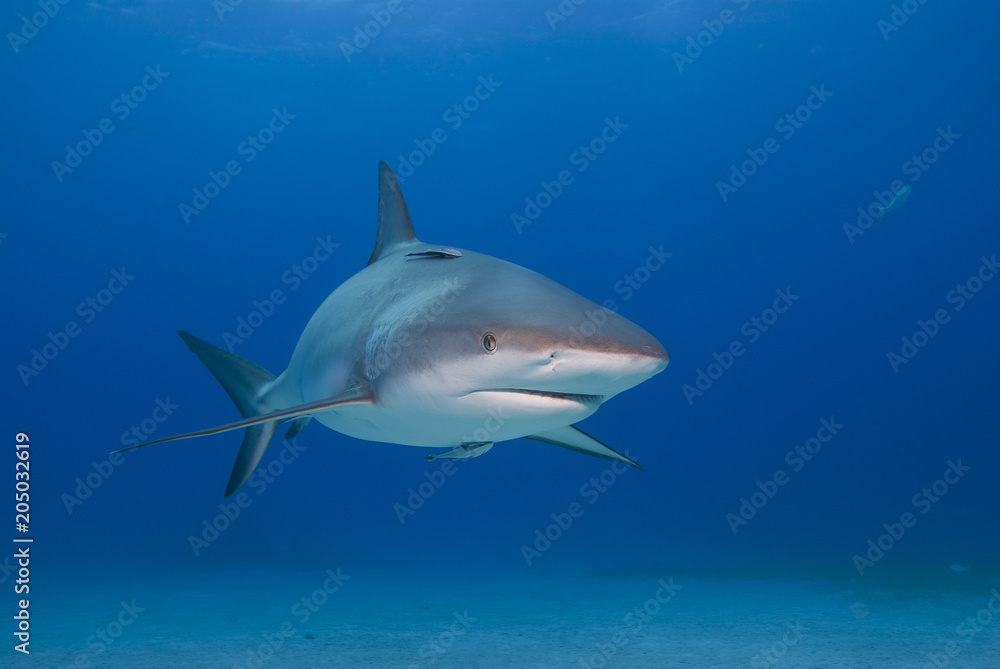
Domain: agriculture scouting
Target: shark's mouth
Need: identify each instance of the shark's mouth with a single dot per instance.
(571, 397)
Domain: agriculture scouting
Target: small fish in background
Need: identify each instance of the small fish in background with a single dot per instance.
(959, 569)
(897, 201)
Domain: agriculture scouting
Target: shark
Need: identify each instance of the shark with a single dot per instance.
(440, 347)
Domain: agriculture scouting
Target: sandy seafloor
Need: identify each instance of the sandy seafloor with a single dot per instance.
(222, 620)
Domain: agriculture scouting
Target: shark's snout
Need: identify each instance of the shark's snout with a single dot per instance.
(660, 355)
(605, 363)
(632, 365)
(654, 351)
(662, 366)
(628, 347)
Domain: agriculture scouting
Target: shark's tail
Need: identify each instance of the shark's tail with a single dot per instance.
(247, 385)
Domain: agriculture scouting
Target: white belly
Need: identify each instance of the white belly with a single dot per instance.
(480, 417)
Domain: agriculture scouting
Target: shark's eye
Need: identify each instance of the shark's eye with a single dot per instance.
(490, 342)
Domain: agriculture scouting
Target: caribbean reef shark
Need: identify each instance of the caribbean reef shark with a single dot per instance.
(439, 347)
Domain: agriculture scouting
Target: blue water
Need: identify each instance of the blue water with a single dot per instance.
(870, 100)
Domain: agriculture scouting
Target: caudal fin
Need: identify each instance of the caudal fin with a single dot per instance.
(246, 384)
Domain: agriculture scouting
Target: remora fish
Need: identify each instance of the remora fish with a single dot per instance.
(896, 202)
(440, 347)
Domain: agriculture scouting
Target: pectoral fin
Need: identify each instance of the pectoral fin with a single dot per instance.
(575, 439)
(309, 409)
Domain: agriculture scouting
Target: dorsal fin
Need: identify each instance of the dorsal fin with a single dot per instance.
(394, 226)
